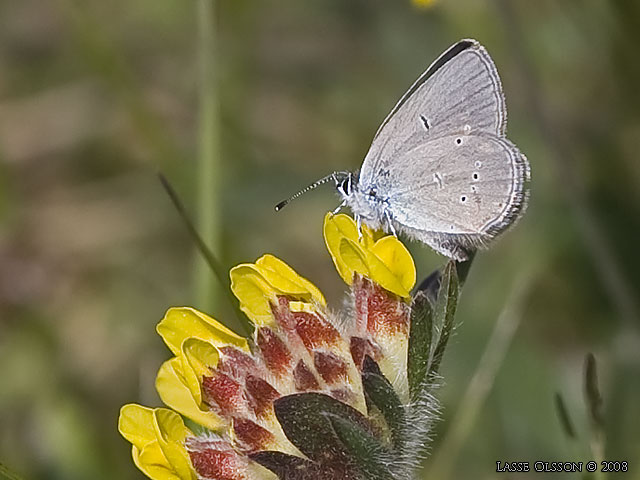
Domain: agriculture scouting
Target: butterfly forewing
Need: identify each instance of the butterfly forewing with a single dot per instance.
(460, 92)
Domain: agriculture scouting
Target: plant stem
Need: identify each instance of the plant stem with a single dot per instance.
(209, 165)
(212, 262)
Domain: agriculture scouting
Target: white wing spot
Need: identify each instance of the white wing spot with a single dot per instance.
(478, 163)
(467, 129)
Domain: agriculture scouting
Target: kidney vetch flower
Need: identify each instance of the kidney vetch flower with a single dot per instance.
(312, 394)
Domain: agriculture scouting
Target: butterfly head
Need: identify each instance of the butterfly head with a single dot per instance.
(345, 184)
(364, 201)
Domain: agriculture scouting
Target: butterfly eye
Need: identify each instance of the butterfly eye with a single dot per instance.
(373, 192)
(344, 187)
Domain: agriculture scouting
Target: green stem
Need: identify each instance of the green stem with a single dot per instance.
(212, 262)
(209, 165)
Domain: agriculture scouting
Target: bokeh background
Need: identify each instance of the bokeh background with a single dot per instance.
(96, 97)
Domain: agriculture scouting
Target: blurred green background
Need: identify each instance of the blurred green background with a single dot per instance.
(96, 97)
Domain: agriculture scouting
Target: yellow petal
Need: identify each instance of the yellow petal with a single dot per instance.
(174, 390)
(395, 256)
(180, 323)
(201, 356)
(151, 461)
(336, 228)
(258, 285)
(155, 433)
(306, 307)
(169, 426)
(136, 424)
(383, 276)
(197, 360)
(383, 259)
(369, 237)
(285, 279)
(254, 292)
(171, 434)
(354, 258)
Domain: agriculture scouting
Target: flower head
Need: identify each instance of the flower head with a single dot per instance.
(296, 399)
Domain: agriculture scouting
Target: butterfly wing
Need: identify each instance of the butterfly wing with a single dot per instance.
(460, 91)
(470, 187)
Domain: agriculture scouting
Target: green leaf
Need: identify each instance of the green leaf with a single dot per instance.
(445, 312)
(304, 419)
(420, 338)
(565, 418)
(380, 393)
(370, 456)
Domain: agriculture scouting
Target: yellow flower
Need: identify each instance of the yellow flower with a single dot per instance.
(384, 260)
(423, 3)
(373, 265)
(257, 285)
(158, 438)
(193, 336)
(179, 323)
(230, 387)
(179, 382)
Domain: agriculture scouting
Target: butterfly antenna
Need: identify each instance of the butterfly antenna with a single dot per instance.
(331, 176)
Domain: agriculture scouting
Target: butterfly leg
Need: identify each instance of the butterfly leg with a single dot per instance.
(359, 224)
(390, 223)
(339, 207)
